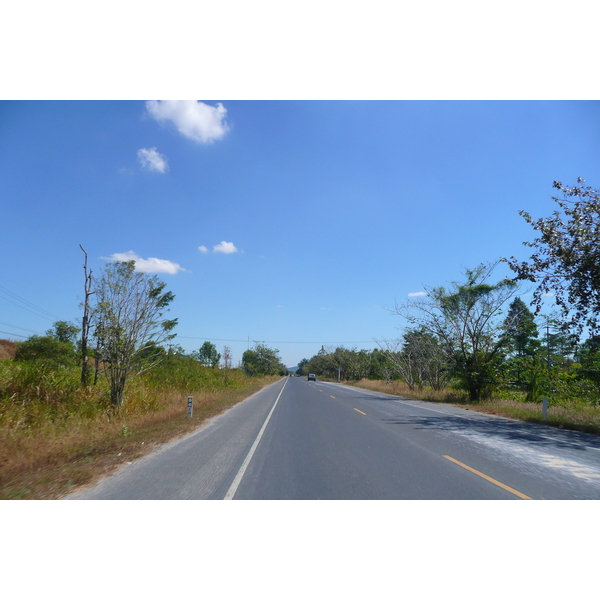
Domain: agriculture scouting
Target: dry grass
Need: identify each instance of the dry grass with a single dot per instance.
(7, 349)
(52, 459)
(400, 388)
(576, 415)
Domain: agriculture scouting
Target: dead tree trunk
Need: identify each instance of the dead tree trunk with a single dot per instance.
(85, 326)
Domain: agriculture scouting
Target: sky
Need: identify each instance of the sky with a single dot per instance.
(294, 223)
(335, 159)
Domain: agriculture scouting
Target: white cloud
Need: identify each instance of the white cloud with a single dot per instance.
(225, 248)
(147, 265)
(152, 160)
(413, 294)
(203, 249)
(195, 120)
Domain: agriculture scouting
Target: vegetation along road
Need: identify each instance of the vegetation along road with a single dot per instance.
(297, 439)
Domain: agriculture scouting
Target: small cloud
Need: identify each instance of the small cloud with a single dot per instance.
(225, 248)
(152, 160)
(147, 265)
(203, 249)
(414, 294)
(195, 120)
(280, 306)
(549, 295)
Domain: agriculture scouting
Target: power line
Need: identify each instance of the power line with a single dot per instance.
(40, 312)
(186, 337)
(14, 334)
(16, 327)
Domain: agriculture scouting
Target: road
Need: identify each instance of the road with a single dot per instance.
(314, 440)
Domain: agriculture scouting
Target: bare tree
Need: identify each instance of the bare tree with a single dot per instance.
(86, 322)
(227, 359)
(406, 361)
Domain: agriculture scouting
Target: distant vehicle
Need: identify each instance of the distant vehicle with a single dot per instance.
(312, 377)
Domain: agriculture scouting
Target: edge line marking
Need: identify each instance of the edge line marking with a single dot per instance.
(238, 478)
(504, 487)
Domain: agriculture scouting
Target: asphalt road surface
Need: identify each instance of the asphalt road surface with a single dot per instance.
(313, 440)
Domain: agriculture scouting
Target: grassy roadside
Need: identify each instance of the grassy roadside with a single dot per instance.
(50, 462)
(577, 416)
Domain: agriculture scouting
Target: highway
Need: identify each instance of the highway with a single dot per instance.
(307, 440)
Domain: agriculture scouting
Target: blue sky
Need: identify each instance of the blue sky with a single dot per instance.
(290, 222)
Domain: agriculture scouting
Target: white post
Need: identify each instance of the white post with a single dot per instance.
(544, 408)
(190, 406)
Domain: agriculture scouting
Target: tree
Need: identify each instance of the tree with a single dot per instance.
(227, 358)
(46, 349)
(566, 257)
(589, 357)
(521, 330)
(129, 320)
(464, 321)
(64, 331)
(301, 370)
(262, 360)
(86, 322)
(208, 355)
(418, 358)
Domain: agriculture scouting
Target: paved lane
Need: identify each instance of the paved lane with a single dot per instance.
(201, 465)
(313, 440)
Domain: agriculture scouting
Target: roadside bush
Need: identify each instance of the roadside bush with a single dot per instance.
(47, 349)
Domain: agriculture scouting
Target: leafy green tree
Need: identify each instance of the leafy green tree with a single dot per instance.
(465, 321)
(208, 355)
(566, 257)
(129, 315)
(262, 360)
(64, 331)
(48, 349)
(301, 370)
(521, 329)
(381, 366)
(589, 358)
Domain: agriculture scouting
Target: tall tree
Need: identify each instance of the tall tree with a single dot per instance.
(129, 314)
(566, 257)
(521, 330)
(64, 331)
(208, 355)
(262, 360)
(86, 322)
(465, 321)
(227, 359)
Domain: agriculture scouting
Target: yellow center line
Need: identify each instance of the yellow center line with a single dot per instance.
(360, 411)
(504, 487)
(331, 396)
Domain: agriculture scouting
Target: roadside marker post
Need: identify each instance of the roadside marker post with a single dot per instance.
(544, 408)
(190, 406)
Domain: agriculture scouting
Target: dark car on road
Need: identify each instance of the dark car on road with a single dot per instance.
(312, 377)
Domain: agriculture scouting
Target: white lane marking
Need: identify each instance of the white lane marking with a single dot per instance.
(238, 478)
